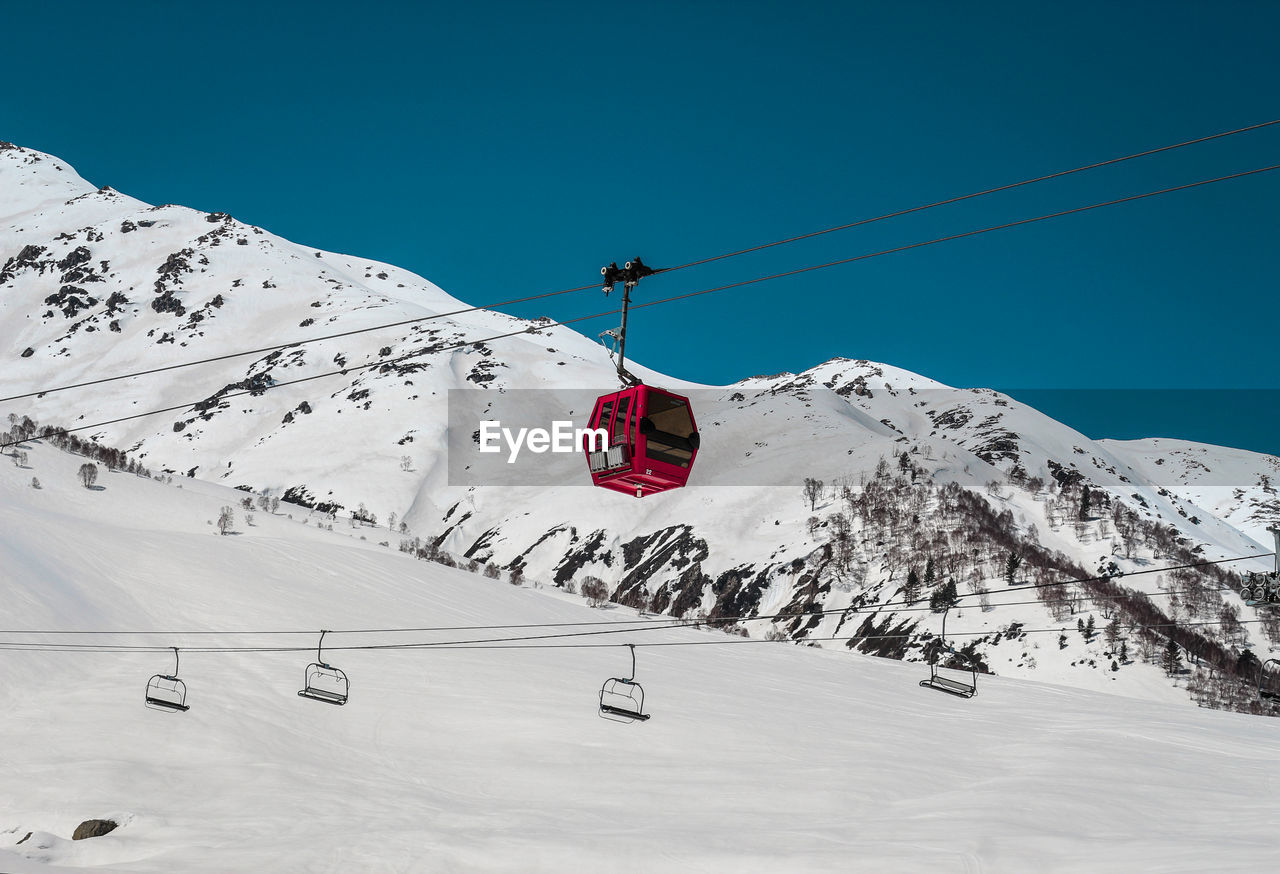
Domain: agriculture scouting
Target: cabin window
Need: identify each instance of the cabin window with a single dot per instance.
(672, 426)
(618, 431)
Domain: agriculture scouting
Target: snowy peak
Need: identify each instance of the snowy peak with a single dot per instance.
(33, 180)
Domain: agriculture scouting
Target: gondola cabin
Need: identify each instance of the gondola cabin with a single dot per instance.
(651, 441)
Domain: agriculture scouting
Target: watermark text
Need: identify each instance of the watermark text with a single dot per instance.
(562, 437)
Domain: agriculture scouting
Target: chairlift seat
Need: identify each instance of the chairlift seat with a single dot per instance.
(954, 687)
(618, 711)
(161, 704)
(322, 695)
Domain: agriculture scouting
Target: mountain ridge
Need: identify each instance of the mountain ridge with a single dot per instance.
(96, 282)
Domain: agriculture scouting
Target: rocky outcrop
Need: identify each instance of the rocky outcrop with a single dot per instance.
(94, 828)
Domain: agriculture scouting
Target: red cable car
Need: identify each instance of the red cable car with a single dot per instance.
(650, 438)
(651, 441)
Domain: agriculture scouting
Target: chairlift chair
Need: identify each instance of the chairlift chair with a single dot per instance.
(1269, 686)
(166, 691)
(324, 682)
(622, 700)
(950, 682)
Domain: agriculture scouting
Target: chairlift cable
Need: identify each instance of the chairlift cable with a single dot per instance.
(729, 641)
(959, 236)
(973, 195)
(654, 624)
(291, 345)
(339, 372)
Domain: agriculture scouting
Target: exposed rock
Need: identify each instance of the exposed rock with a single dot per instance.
(79, 255)
(114, 303)
(94, 828)
(71, 300)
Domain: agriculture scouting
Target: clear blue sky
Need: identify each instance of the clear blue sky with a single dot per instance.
(509, 148)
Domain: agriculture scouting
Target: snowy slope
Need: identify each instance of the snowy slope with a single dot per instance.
(759, 756)
(93, 283)
(1235, 485)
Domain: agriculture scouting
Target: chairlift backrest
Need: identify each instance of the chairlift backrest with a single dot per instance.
(166, 691)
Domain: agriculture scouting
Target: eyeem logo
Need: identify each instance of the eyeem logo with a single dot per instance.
(562, 437)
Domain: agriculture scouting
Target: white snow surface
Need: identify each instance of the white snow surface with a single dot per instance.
(759, 757)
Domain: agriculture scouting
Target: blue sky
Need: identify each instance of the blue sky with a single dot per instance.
(509, 148)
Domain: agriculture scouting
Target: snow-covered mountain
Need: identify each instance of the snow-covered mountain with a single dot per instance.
(95, 283)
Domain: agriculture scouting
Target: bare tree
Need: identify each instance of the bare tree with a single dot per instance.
(225, 520)
(812, 491)
(841, 541)
(88, 474)
(595, 591)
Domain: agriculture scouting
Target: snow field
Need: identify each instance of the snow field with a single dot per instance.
(760, 757)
